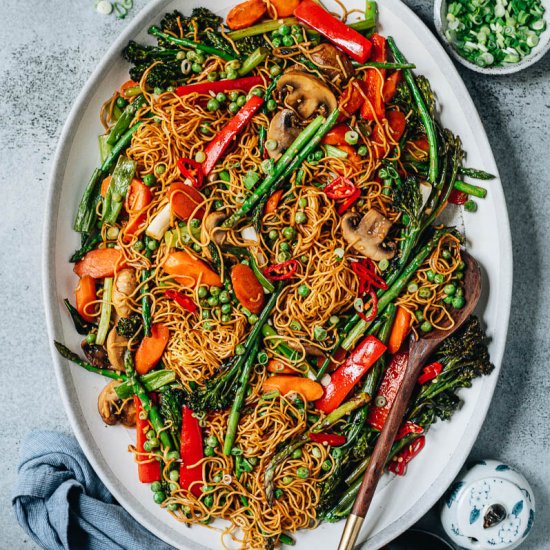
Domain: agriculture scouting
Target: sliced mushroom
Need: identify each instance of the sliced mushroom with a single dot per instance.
(305, 94)
(96, 355)
(116, 346)
(283, 130)
(367, 234)
(332, 62)
(112, 409)
(210, 231)
(125, 285)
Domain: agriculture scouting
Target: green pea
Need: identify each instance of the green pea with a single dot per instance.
(316, 452)
(449, 289)
(461, 266)
(191, 55)
(284, 30)
(232, 74)
(226, 318)
(173, 455)
(302, 202)
(448, 300)
(419, 315)
(304, 259)
(284, 246)
(240, 349)
(300, 217)
(303, 291)
(160, 168)
(221, 97)
(288, 41)
(470, 206)
(199, 58)
(446, 254)
(195, 223)
(202, 292)
(278, 493)
(319, 333)
(459, 291)
(253, 319)
(212, 76)
(121, 102)
(430, 275)
(274, 70)
(212, 441)
(147, 447)
(217, 478)
(295, 325)
(271, 105)
(302, 472)
(287, 480)
(197, 247)
(438, 278)
(172, 507)
(157, 91)
(233, 95)
(156, 486)
(154, 442)
(334, 319)
(298, 38)
(149, 180)
(258, 92)
(213, 104)
(289, 233)
(326, 465)
(318, 155)
(458, 302)
(208, 500)
(241, 100)
(207, 325)
(152, 244)
(91, 337)
(276, 42)
(273, 234)
(297, 453)
(362, 151)
(233, 107)
(196, 67)
(174, 475)
(426, 326)
(209, 451)
(459, 276)
(159, 497)
(138, 245)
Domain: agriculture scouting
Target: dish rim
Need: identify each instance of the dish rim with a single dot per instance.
(53, 324)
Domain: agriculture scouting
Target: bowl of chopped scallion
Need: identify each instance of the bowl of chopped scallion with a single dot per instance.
(494, 36)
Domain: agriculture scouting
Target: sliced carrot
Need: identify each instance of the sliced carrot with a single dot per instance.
(105, 185)
(353, 156)
(245, 14)
(85, 295)
(397, 122)
(374, 79)
(247, 288)
(189, 270)
(284, 8)
(352, 98)
(184, 200)
(138, 198)
(151, 348)
(100, 263)
(309, 389)
(279, 367)
(390, 86)
(399, 330)
(273, 202)
(336, 136)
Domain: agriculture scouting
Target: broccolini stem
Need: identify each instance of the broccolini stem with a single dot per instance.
(74, 358)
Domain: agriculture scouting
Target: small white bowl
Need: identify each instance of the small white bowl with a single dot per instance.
(440, 20)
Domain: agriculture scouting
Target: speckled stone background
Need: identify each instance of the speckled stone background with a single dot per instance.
(47, 52)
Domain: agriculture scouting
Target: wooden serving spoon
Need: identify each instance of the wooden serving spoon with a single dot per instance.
(419, 352)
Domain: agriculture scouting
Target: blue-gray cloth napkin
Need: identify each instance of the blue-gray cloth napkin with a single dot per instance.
(62, 504)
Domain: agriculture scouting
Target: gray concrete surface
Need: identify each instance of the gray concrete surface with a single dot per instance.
(48, 50)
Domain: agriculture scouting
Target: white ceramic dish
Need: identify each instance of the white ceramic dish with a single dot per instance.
(440, 21)
(398, 502)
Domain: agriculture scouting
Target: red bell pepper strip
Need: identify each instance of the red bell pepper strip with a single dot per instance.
(191, 452)
(191, 170)
(137, 200)
(457, 197)
(388, 390)
(148, 470)
(334, 440)
(347, 39)
(399, 464)
(340, 188)
(337, 135)
(352, 98)
(408, 428)
(280, 272)
(390, 86)
(219, 144)
(184, 301)
(430, 372)
(345, 377)
(245, 84)
(374, 79)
